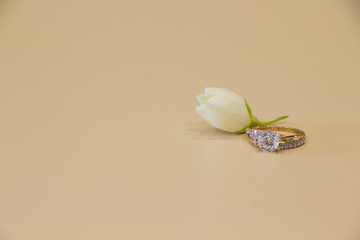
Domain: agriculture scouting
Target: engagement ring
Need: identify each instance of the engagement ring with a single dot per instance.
(266, 139)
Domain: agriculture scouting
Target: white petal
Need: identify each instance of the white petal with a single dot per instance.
(226, 115)
(225, 93)
(202, 111)
(202, 98)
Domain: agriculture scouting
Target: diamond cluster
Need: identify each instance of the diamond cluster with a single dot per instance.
(292, 143)
(265, 140)
(270, 141)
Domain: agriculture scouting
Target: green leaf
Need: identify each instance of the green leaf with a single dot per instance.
(244, 129)
(250, 115)
(248, 108)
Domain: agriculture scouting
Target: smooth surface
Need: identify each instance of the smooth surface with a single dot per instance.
(99, 138)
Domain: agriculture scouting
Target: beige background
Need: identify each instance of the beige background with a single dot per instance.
(99, 138)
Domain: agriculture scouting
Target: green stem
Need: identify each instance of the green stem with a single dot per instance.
(256, 122)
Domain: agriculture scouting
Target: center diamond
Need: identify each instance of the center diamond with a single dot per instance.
(268, 141)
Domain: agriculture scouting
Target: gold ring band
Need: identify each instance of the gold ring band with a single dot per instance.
(267, 139)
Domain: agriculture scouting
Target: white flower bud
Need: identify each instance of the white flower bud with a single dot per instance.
(223, 109)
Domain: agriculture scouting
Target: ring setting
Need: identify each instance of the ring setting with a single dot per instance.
(267, 139)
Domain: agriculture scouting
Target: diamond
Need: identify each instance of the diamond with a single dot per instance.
(268, 141)
(253, 133)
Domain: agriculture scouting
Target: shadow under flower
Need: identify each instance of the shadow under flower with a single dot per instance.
(202, 130)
